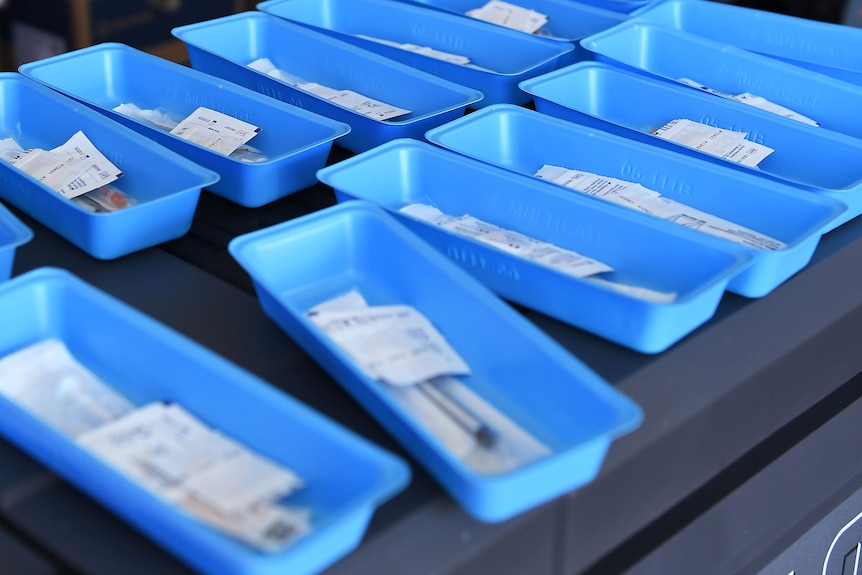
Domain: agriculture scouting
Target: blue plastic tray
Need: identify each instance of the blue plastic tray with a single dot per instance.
(296, 141)
(166, 185)
(346, 477)
(13, 234)
(824, 47)
(568, 21)
(615, 100)
(643, 251)
(514, 365)
(673, 54)
(505, 57)
(523, 141)
(623, 6)
(225, 46)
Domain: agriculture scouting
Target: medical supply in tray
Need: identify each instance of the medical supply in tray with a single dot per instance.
(511, 16)
(565, 21)
(75, 169)
(326, 256)
(161, 446)
(530, 249)
(752, 100)
(166, 197)
(498, 57)
(630, 104)
(346, 98)
(225, 47)
(726, 144)
(399, 347)
(223, 470)
(522, 141)
(643, 252)
(153, 96)
(637, 197)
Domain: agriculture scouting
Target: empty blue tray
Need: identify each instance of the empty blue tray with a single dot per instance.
(346, 477)
(225, 46)
(523, 141)
(673, 54)
(502, 57)
(297, 142)
(568, 21)
(643, 251)
(165, 184)
(609, 98)
(514, 365)
(13, 234)
(831, 49)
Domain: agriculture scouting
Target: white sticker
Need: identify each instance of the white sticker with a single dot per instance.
(395, 343)
(73, 168)
(520, 245)
(269, 528)
(726, 144)
(356, 102)
(650, 202)
(169, 451)
(510, 16)
(218, 132)
(346, 98)
(752, 100)
(49, 382)
(423, 50)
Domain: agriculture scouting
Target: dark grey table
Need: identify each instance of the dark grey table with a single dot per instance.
(748, 439)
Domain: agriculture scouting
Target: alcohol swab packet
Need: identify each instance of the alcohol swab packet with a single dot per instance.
(48, 381)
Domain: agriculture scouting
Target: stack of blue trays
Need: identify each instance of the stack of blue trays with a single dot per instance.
(296, 142)
(165, 185)
(499, 57)
(224, 47)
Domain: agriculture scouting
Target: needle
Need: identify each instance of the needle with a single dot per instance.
(484, 434)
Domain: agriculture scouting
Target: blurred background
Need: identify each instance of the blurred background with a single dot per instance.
(35, 29)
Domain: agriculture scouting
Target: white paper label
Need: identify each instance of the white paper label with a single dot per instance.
(510, 16)
(346, 98)
(637, 197)
(640, 292)
(394, 343)
(175, 455)
(49, 382)
(269, 528)
(725, 144)
(218, 132)
(560, 259)
(73, 168)
(423, 50)
(752, 100)
(157, 118)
